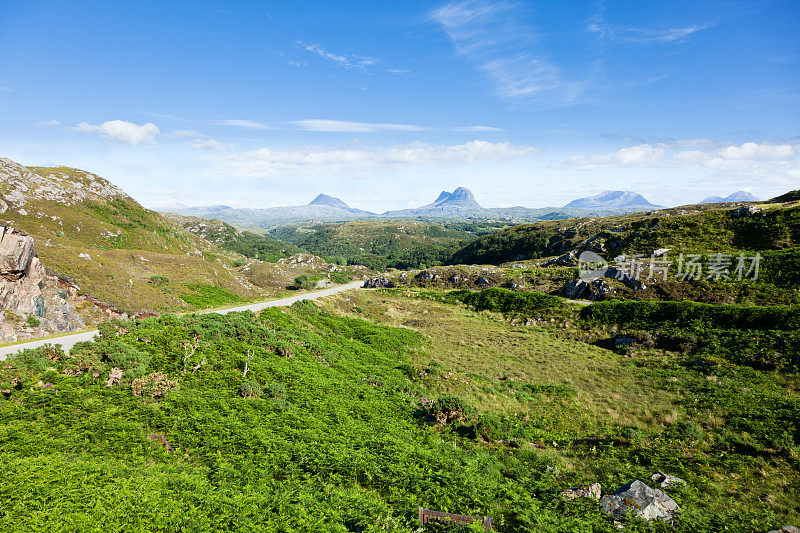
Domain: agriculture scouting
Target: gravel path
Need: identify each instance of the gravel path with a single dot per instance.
(68, 341)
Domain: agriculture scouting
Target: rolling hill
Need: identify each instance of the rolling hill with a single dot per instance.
(106, 247)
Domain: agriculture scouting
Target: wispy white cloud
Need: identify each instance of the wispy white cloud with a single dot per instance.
(360, 161)
(490, 35)
(4, 89)
(44, 123)
(243, 123)
(477, 128)
(211, 144)
(353, 127)
(348, 61)
(122, 131)
(598, 25)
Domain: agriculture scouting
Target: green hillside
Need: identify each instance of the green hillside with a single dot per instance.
(95, 236)
(227, 237)
(380, 244)
(303, 420)
(690, 229)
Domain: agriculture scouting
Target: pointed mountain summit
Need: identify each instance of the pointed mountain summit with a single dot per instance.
(461, 198)
(738, 196)
(612, 200)
(324, 199)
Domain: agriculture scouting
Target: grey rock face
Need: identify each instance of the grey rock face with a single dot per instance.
(637, 499)
(16, 252)
(28, 293)
(378, 283)
(665, 480)
(745, 211)
(578, 289)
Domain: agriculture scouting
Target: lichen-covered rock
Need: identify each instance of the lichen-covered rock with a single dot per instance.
(586, 491)
(637, 499)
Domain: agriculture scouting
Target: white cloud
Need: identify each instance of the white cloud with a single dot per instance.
(477, 128)
(4, 89)
(48, 123)
(185, 134)
(211, 144)
(122, 131)
(267, 162)
(757, 151)
(352, 127)
(490, 35)
(243, 123)
(669, 35)
(764, 161)
(348, 61)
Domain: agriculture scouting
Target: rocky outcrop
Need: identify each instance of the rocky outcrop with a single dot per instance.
(378, 283)
(33, 304)
(637, 499)
(568, 259)
(16, 253)
(578, 289)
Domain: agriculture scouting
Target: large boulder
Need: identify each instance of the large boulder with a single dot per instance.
(637, 499)
(16, 253)
(378, 282)
(578, 289)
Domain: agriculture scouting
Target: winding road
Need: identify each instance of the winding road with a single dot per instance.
(68, 341)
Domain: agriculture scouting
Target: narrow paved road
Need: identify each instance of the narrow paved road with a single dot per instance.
(68, 341)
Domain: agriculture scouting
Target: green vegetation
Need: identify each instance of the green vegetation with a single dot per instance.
(341, 277)
(305, 282)
(705, 230)
(210, 296)
(246, 243)
(763, 337)
(158, 281)
(33, 322)
(379, 245)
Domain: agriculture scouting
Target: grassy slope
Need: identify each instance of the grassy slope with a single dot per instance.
(724, 430)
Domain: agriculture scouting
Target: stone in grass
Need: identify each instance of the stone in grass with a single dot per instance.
(666, 480)
(637, 499)
(586, 491)
(785, 529)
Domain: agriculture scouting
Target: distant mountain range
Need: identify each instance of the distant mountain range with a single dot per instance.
(738, 196)
(457, 205)
(613, 200)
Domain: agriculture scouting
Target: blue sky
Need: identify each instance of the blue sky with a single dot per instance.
(384, 104)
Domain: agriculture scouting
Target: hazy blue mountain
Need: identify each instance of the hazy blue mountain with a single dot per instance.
(738, 196)
(613, 200)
